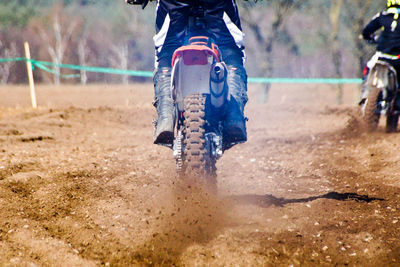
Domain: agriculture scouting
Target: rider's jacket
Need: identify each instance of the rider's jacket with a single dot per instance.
(389, 39)
(222, 20)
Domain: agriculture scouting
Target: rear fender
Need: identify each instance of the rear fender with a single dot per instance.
(189, 78)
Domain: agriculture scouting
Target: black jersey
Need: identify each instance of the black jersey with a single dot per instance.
(389, 39)
(222, 18)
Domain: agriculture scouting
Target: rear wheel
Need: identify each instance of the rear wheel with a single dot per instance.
(194, 140)
(197, 161)
(371, 113)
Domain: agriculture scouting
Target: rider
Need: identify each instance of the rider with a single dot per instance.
(389, 40)
(223, 23)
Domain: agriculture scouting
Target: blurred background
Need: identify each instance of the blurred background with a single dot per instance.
(284, 38)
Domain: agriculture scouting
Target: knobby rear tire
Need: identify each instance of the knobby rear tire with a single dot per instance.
(194, 140)
(197, 162)
(371, 116)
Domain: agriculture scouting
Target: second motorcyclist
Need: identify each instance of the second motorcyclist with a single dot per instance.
(388, 48)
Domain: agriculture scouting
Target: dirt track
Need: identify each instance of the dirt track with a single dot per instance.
(82, 185)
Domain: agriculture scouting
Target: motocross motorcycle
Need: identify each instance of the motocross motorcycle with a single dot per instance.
(201, 96)
(381, 96)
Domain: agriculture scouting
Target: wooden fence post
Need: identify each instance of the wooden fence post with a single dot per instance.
(30, 75)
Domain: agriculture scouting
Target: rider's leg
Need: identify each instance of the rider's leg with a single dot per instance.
(224, 23)
(164, 125)
(170, 27)
(235, 122)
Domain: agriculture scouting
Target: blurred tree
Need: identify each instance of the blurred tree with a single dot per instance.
(267, 36)
(334, 15)
(16, 13)
(55, 31)
(131, 45)
(291, 38)
(357, 14)
(83, 35)
(83, 53)
(6, 52)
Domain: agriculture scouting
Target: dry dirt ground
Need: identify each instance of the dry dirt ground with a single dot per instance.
(81, 184)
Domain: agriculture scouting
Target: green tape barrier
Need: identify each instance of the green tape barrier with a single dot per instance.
(138, 73)
(305, 80)
(148, 74)
(66, 76)
(12, 59)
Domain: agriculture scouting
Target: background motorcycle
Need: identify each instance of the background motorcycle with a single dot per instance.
(381, 96)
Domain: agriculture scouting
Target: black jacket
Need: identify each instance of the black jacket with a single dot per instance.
(389, 39)
(221, 16)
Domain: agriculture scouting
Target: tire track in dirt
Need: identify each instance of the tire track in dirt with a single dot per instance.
(307, 189)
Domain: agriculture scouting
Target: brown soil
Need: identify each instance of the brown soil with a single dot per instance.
(81, 184)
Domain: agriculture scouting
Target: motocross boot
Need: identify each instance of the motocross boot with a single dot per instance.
(235, 122)
(164, 125)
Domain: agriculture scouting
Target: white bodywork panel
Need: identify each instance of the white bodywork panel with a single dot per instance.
(379, 75)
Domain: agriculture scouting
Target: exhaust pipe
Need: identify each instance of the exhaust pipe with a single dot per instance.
(218, 84)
